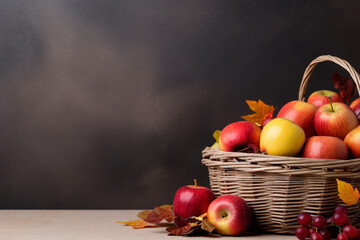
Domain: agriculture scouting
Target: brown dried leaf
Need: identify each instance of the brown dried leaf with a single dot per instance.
(207, 226)
(179, 231)
(201, 217)
(159, 213)
(138, 224)
(346, 86)
(144, 214)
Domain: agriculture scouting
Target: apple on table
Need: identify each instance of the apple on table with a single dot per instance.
(229, 214)
(189, 201)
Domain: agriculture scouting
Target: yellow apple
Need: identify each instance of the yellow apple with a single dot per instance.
(282, 137)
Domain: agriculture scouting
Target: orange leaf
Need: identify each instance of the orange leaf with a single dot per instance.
(166, 206)
(144, 214)
(347, 193)
(138, 224)
(262, 112)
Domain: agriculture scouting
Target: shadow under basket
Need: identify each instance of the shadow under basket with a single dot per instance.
(278, 188)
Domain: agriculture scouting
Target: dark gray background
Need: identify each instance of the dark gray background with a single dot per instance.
(108, 104)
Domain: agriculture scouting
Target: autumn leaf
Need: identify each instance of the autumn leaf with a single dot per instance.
(207, 226)
(138, 224)
(200, 218)
(347, 193)
(345, 85)
(159, 213)
(179, 231)
(144, 214)
(262, 112)
(216, 135)
(166, 206)
(152, 218)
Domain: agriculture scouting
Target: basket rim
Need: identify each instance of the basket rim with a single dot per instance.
(254, 162)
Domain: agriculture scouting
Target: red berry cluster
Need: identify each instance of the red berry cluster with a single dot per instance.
(320, 228)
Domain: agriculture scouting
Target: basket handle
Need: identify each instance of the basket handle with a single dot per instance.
(308, 71)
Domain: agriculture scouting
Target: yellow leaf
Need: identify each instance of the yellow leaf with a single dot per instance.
(262, 111)
(216, 135)
(347, 193)
(201, 217)
(138, 224)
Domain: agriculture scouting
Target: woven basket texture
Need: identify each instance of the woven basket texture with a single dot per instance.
(278, 188)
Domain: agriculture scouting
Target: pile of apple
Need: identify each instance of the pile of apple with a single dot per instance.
(229, 214)
(323, 127)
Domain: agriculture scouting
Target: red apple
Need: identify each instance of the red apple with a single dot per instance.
(301, 113)
(325, 147)
(352, 140)
(355, 105)
(239, 135)
(321, 97)
(191, 200)
(335, 119)
(229, 214)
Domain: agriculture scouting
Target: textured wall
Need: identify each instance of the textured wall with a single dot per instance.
(108, 104)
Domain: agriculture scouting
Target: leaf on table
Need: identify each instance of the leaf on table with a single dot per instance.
(207, 226)
(144, 214)
(200, 218)
(216, 136)
(262, 112)
(347, 193)
(138, 224)
(152, 218)
(179, 231)
(345, 85)
(160, 213)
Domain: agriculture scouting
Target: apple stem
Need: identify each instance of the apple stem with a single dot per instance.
(195, 181)
(332, 109)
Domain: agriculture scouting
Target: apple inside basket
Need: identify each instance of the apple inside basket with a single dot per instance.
(278, 188)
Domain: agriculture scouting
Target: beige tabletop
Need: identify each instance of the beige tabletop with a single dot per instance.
(86, 224)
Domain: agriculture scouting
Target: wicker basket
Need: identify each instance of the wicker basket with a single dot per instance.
(278, 188)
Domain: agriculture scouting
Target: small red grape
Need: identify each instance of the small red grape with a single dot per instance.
(302, 233)
(326, 234)
(342, 236)
(340, 219)
(350, 231)
(304, 219)
(319, 222)
(316, 236)
(341, 209)
(311, 231)
(329, 220)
